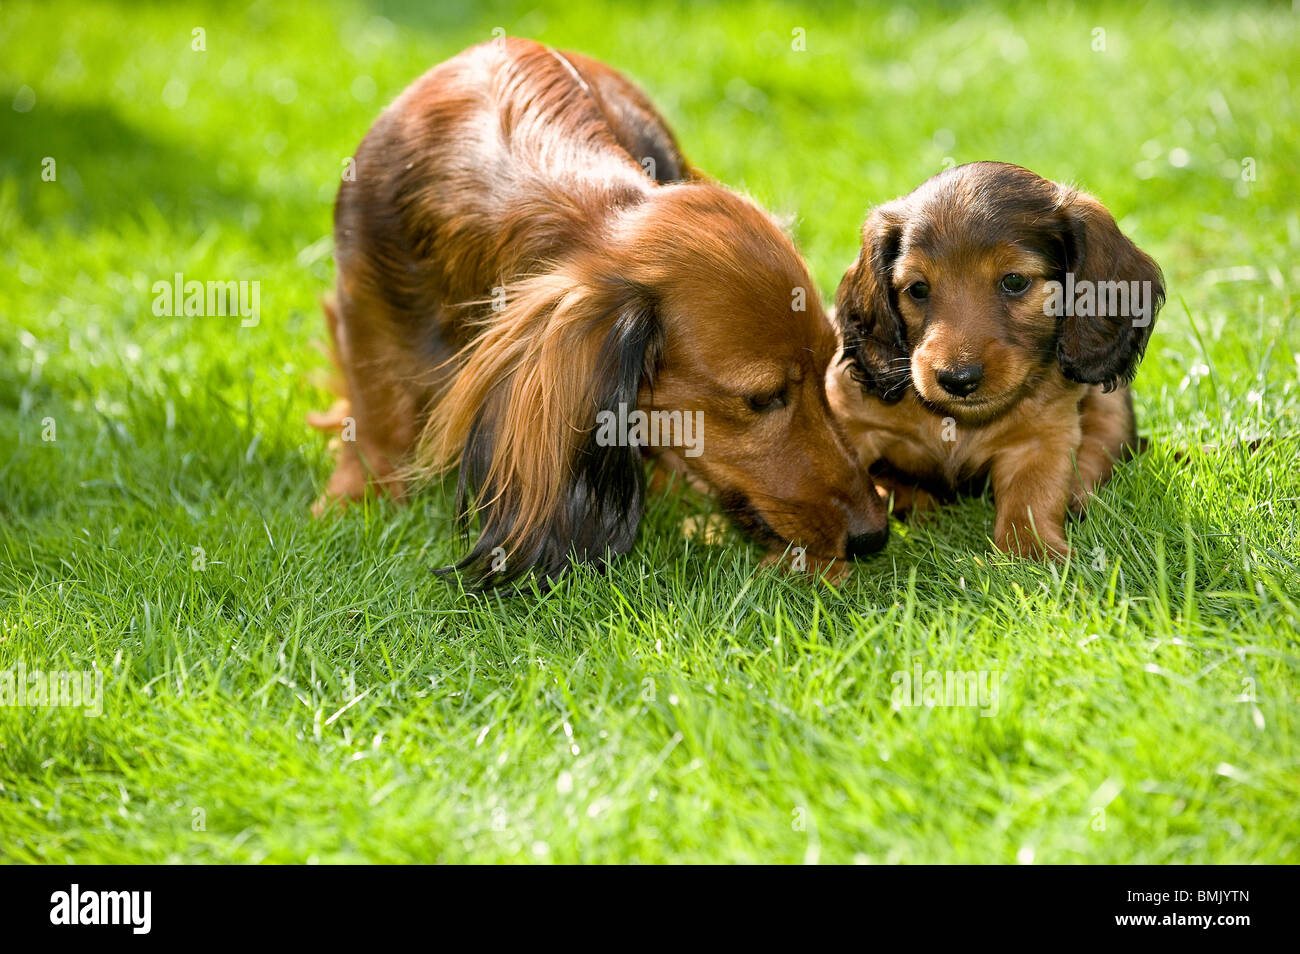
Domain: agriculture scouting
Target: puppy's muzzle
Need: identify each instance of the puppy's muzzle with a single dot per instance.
(961, 380)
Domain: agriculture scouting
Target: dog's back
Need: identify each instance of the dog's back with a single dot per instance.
(466, 175)
(490, 165)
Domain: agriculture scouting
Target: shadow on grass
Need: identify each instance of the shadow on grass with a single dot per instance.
(109, 172)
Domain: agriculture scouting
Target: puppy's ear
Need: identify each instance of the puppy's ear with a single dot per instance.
(520, 417)
(866, 310)
(1102, 340)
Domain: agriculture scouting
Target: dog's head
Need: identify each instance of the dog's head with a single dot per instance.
(976, 285)
(690, 328)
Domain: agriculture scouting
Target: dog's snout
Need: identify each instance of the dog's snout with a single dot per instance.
(866, 542)
(961, 380)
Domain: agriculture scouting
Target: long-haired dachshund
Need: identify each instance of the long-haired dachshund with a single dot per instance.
(991, 324)
(524, 256)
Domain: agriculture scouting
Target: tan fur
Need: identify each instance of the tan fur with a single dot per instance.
(1044, 441)
(1030, 453)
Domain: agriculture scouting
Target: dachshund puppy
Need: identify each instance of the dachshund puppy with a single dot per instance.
(991, 324)
(526, 263)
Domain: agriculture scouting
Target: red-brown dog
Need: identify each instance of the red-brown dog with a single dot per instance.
(525, 256)
(991, 324)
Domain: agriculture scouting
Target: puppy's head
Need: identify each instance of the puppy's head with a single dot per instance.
(975, 286)
(689, 328)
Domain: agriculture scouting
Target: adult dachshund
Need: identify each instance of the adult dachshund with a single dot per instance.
(991, 324)
(524, 253)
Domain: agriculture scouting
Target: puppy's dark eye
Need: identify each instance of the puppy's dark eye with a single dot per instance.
(762, 403)
(918, 291)
(1014, 283)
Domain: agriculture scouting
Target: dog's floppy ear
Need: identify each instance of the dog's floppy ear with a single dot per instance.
(866, 310)
(520, 418)
(1117, 291)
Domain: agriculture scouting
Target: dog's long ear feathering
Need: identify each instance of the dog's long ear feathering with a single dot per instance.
(520, 418)
(1105, 348)
(866, 309)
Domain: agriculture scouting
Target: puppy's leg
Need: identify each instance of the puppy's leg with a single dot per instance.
(1031, 487)
(1108, 431)
(909, 499)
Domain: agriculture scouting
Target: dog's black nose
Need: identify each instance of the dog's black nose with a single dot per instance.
(961, 380)
(863, 544)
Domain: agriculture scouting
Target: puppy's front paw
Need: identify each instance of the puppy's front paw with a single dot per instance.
(1021, 540)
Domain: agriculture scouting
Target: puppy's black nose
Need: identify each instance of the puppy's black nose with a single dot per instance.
(961, 380)
(863, 544)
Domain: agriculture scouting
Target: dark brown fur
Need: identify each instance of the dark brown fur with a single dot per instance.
(1050, 411)
(507, 268)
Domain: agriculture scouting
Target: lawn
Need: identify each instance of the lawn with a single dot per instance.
(283, 690)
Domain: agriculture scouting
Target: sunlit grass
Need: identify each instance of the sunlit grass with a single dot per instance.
(280, 689)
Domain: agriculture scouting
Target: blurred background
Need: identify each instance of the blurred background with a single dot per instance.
(208, 139)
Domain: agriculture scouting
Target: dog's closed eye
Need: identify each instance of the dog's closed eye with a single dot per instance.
(769, 401)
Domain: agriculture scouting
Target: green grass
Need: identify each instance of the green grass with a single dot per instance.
(309, 691)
